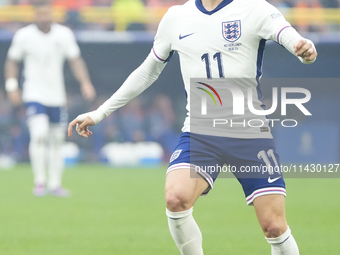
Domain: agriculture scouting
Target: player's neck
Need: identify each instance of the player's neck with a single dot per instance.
(210, 5)
(44, 28)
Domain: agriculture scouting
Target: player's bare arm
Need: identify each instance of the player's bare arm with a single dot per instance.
(306, 50)
(81, 73)
(12, 88)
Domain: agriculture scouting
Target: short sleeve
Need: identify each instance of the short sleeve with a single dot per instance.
(162, 43)
(72, 50)
(270, 21)
(16, 50)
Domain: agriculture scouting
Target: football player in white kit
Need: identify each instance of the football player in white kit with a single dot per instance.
(43, 48)
(215, 39)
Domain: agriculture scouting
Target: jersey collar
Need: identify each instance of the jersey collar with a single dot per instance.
(219, 7)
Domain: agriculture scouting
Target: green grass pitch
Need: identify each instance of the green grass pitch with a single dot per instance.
(117, 211)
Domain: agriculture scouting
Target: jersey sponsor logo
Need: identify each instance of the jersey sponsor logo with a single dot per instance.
(275, 15)
(231, 30)
(175, 155)
(273, 180)
(184, 36)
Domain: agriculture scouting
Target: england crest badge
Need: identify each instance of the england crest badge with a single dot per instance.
(231, 30)
(175, 155)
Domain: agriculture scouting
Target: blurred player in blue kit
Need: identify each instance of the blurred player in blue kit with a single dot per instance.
(216, 39)
(43, 47)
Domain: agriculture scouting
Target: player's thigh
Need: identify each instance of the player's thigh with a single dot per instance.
(57, 133)
(57, 115)
(270, 212)
(182, 188)
(256, 166)
(58, 124)
(187, 178)
(37, 120)
(38, 126)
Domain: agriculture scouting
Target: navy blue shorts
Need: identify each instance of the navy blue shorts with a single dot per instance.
(56, 115)
(254, 162)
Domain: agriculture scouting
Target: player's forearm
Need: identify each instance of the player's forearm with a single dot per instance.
(79, 70)
(289, 38)
(11, 74)
(11, 69)
(134, 85)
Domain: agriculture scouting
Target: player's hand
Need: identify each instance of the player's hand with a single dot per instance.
(88, 91)
(82, 127)
(15, 97)
(306, 50)
(83, 121)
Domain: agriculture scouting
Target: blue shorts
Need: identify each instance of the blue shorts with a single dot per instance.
(254, 162)
(56, 115)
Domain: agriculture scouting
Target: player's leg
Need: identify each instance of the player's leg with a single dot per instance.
(184, 185)
(270, 211)
(182, 189)
(38, 128)
(264, 188)
(55, 160)
(57, 133)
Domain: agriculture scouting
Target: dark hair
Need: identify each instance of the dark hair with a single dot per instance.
(40, 3)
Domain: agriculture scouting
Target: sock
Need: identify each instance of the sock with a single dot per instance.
(55, 157)
(284, 244)
(185, 232)
(38, 128)
(37, 159)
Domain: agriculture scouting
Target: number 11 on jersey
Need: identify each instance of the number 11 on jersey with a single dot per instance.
(217, 57)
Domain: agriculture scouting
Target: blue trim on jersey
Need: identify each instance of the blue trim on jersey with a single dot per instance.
(154, 52)
(170, 56)
(260, 54)
(200, 6)
(259, 62)
(278, 35)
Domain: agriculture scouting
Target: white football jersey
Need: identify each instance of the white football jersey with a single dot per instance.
(227, 42)
(44, 55)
